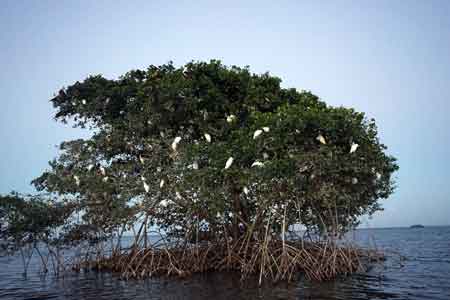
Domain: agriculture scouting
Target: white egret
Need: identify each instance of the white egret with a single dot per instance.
(141, 159)
(208, 137)
(77, 180)
(378, 176)
(102, 170)
(266, 129)
(175, 143)
(257, 164)
(90, 167)
(321, 139)
(354, 180)
(164, 203)
(230, 214)
(195, 165)
(161, 183)
(229, 163)
(353, 147)
(246, 191)
(231, 118)
(146, 187)
(105, 179)
(265, 155)
(257, 133)
(83, 101)
(218, 215)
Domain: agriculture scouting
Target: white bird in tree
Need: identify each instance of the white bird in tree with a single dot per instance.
(195, 165)
(164, 203)
(105, 179)
(257, 133)
(218, 215)
(90, 167)
(378, 176)
(246, 191)
(257, 164)
(77, 180)
(354, 180)
(353, 147)
(266, 129)
(102, 170)
(231, 118)
(175, 143)
(229, 163)
(146, 187)
(265, 155)
(161, 183)
(321, 139)
(83, 101)
(141, 159)
(178, 195)
(208, 137)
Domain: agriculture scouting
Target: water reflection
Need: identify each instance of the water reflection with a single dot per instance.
(425, 274)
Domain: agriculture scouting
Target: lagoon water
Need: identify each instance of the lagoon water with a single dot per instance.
(422, 273)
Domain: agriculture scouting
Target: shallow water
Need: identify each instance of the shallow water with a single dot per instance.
(424, 274)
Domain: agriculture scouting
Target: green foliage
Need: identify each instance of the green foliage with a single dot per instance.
(129, 170)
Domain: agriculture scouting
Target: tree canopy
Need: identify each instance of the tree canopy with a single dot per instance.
(215, 148)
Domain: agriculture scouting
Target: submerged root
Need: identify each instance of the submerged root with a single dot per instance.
(274, 260)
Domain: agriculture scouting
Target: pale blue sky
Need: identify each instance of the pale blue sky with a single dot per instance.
(390, 59)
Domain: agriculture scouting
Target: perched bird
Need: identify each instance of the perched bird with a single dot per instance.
(229, 163)
(102, 170)
(164, 203)
(265, 155)
(257, 133)
(77, 180)
(257, 164)
(195, 165)
(354, 180)
(378, 176)
(218, 215)
(105, 179)
(266, 129)
(321, 139)
(177, 195)
(246, 191)
(158, 169)
(230, 214)
(83, 101)
(141, 159)
(231, 118)
(146, 187)
(175, 143)
(161, 183)
(353, 147)
(208, 137)
(90, 167)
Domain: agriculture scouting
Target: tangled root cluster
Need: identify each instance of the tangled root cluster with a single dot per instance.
(274, 260)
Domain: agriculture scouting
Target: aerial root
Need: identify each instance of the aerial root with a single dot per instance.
(272, 260)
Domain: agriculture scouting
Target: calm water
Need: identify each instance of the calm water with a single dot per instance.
(424, 274)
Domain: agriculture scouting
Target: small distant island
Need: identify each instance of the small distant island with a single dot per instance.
(416, 226)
